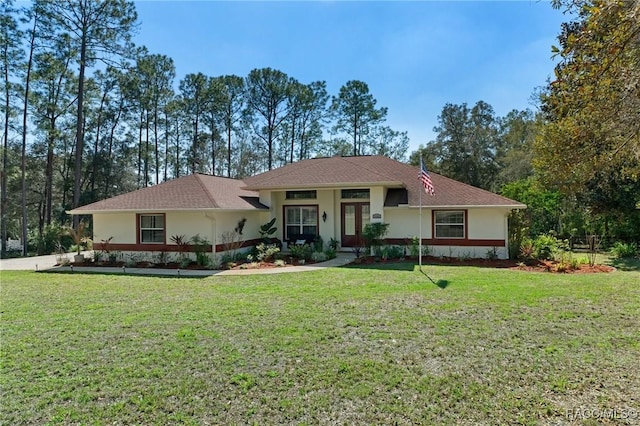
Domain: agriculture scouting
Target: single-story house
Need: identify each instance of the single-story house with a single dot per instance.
(333, 197)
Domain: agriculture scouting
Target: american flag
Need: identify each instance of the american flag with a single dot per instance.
(425, 178)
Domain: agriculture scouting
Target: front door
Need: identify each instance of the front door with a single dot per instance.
(354, 218)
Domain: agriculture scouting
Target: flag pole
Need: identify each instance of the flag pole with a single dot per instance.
(427, 185)
(420, 225)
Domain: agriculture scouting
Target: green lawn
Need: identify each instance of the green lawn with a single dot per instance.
(338, 346)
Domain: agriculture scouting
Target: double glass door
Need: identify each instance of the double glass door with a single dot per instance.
(355, 216)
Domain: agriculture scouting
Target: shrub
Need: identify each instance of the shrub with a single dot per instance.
(334, 244)
(318, 244)
(46, 242)
(622, 250)
(576, 262)
(492, 254)
(527, 249)
(318, 256)
(544, 246)
(185, 262)
(226, 258)
(200, 246)
(565, 261)
(301, 252)
(547, 245)
(414, 248)
(265, 252)
(331, 253)
(373, 233)
(132, 261)
(162, 258)
(396, 252)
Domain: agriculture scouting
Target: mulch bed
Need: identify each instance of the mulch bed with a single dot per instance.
(534, 266)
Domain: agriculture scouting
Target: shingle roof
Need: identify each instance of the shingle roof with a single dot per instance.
(380, 170)
(198, 191)
(193, 192)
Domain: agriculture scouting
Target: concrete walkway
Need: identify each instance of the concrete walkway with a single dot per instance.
(47, 264)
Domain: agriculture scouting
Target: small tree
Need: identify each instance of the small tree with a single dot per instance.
(593, 241)
(78, 235)
(231, 242)
(373, 235)
(200, 245)
(183, 246)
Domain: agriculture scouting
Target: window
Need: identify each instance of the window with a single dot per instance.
(449, 224)
(301, 195)
(300, 220)
(355, 193)
(151, 228)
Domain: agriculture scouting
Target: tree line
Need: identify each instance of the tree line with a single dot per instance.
(576, 161)
(89, 115)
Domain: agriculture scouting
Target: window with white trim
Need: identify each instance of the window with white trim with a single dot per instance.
(152, 228)
(300, 220)
(449, 224)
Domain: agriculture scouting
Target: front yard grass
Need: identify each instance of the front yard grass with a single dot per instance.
(337, 346)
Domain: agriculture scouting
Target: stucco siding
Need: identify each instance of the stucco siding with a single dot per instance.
(404, 222)
(188, 224)
(376, 204)
(226, 222)
(486, 224)
(326, 204)
(120, 226)
(486, 227)
(208, 225)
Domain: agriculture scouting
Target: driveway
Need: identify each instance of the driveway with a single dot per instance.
(31, 263)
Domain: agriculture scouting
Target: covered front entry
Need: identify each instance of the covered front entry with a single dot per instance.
(354, 218)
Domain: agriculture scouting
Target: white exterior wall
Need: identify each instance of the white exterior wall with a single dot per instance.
(210, 225)
(487, 224)
(120, 226)
(404, 222)
(483, 224)
(188, 224)
(376, 203)
(326, 204)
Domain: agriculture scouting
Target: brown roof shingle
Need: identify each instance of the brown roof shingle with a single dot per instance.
(198, 191)
(372, 170)
(193, 192)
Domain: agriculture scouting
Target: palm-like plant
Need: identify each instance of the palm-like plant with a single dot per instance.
(78, 235)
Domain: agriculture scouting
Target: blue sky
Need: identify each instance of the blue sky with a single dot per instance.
(415, 56)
